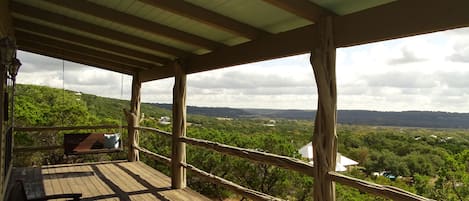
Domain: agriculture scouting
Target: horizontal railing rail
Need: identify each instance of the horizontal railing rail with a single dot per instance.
(158, 131)
(249, 193)
(63, 128)
(155, 156)
(253, 155)
(391, 192)
(37, 148)
(276, 160)
(246, 192)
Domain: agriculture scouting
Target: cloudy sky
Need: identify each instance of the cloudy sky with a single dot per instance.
(428, 72)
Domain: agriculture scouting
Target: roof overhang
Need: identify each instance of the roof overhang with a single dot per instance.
(146, 36)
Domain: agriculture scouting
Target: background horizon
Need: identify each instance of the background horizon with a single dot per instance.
(420, 73)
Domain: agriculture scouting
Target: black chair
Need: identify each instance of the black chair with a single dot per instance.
(18, 193)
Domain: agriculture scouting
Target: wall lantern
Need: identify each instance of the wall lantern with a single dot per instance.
(14, 67)
(8, 56)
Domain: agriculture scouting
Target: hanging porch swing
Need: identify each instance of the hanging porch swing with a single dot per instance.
(91, 143)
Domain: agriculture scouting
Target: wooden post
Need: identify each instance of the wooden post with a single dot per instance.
(133, 119)
(3, 129)
(178, 154)
(325, 139)
(6, 30)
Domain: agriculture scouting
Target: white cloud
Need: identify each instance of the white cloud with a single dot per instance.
(427, 72)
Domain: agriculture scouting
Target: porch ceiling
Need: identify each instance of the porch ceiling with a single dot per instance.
(144, 36)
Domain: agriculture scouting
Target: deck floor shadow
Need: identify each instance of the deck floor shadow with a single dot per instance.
(115, 180)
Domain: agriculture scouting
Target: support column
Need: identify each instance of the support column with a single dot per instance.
(133, 119)
(178, 154)
(325, 139)
(6, 30)
(3, 129)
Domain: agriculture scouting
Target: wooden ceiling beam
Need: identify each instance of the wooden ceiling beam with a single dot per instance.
(74, 38)
(400, 19)
(137, 23)
(207, 17)
(68, 22)
(301, 8)
(74, 57)
(371, 25)
(83, 50)
(289, 43)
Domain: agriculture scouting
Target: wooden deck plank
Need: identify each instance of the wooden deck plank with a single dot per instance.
(48, 190)
(121, 179)
(104, 181)
(98, 187)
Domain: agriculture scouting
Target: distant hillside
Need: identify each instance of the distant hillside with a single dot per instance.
(361, 117)
(39, 105)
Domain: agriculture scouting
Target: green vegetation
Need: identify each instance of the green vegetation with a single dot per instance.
(430, 162)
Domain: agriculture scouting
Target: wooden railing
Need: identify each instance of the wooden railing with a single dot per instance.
(276, 160)
(253, 155)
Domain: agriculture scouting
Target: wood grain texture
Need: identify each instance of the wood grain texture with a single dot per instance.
(390, 192)
(253, 155)
(157, 131)
(246, 192)
(155, 156)
(65, 21)
(325, 137)
(178, 153)
(115, 180)
(137, 23)
(133, 119)
(302, 8)
(208, 17)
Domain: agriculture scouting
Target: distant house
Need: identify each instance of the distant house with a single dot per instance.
(165, 120)
(224, 119)
(342, 162)
(271, 123)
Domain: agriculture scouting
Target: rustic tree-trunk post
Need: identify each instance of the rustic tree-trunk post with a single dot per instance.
(6, 30)
(325, 138)
(133, 119)
(178, 154)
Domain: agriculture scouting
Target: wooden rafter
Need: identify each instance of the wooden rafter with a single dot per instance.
(135, 22)
(302, 8)
(66, 36)
(68, 22)
(74, 57)
(84, 50)
(207, 17)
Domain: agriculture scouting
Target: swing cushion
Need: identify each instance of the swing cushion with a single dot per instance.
(111, 140)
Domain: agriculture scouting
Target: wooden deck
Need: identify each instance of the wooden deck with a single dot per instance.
(117, 180)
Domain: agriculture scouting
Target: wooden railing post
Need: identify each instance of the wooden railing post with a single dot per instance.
(325, 138)
(178, 154)
(6, 31)
(133, 119)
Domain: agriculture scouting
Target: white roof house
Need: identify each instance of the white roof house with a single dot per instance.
(341, 162)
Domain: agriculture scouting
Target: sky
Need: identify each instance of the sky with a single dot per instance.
(427, 73)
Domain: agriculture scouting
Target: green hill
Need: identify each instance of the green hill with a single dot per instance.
(45, 106)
